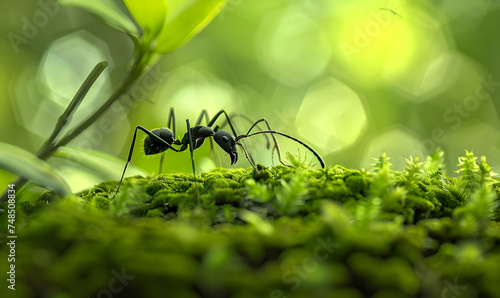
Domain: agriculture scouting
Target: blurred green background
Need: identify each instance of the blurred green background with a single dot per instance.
(346, 77)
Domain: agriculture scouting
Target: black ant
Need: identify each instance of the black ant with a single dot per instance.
(161, 139)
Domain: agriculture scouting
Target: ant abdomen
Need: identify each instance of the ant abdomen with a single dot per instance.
(154, 147)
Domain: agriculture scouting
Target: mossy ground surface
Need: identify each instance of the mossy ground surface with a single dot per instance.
(284, 232)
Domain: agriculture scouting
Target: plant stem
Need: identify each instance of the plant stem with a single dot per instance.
(75, 102)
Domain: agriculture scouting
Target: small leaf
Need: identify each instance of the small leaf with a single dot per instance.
(102, 164)
(382, 163)
(263, 226)
(413, 172)
(291, 194)
(185, 19)
(486, 171)
(335, 216)
(435, 162)
(150, 15)
(258, 192)
(108, 11)
(481, 205)
(23, 163)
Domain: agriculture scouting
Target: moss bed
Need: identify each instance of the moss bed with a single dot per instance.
(281, 232)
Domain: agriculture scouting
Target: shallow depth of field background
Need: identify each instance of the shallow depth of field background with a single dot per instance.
(348, 78)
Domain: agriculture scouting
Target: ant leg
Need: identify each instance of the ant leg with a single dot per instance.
(250, 122)
(162, 159)
(170, 125)
(150, 134)
(204, 114)
(171, 121)
(211, 123)
(276, 146)
(228, 119)
(246, 155)
(320, 159)
(191, 146)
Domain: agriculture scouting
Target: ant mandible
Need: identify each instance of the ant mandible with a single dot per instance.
(161, 139)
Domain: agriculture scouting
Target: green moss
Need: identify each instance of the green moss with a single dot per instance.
(154, 213)
(356, 182)
(226, 196)
(288, 230)
(100, 202)
(154, 186)
(175, 200)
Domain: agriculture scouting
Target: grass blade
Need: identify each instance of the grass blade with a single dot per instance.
(65, 117)
(23, 163)
(102, 164)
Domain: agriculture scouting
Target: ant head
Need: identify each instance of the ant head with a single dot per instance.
(227, 142)
(152, 146)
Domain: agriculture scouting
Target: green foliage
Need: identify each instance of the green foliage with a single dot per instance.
(412, 173)
(258, 192)
(185, 19)
(296, 160)
(21, 162)
(108, 11)
(382, 163)
(291, 194)
(151, 16)
(434, 163)
(297, 231)
(469, 168)
(480, 208)
(33, 167)
(164, 25)
(382, 182)
(101, 164)
(486, 172)
(256, 221)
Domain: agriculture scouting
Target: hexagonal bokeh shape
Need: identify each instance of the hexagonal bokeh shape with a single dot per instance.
(39, 101)
(331, 116)
(470, 14)
(292, 46)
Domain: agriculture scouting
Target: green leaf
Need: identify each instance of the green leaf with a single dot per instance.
(150, 15)
(413, 172)
(435, 162)
(291, 194)
(486, 171)
(102, 164)
(108, 11)
(382, 163)
(185, 19)
(263, 226)
(23, 163)
(257, 192)
(335, 216)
